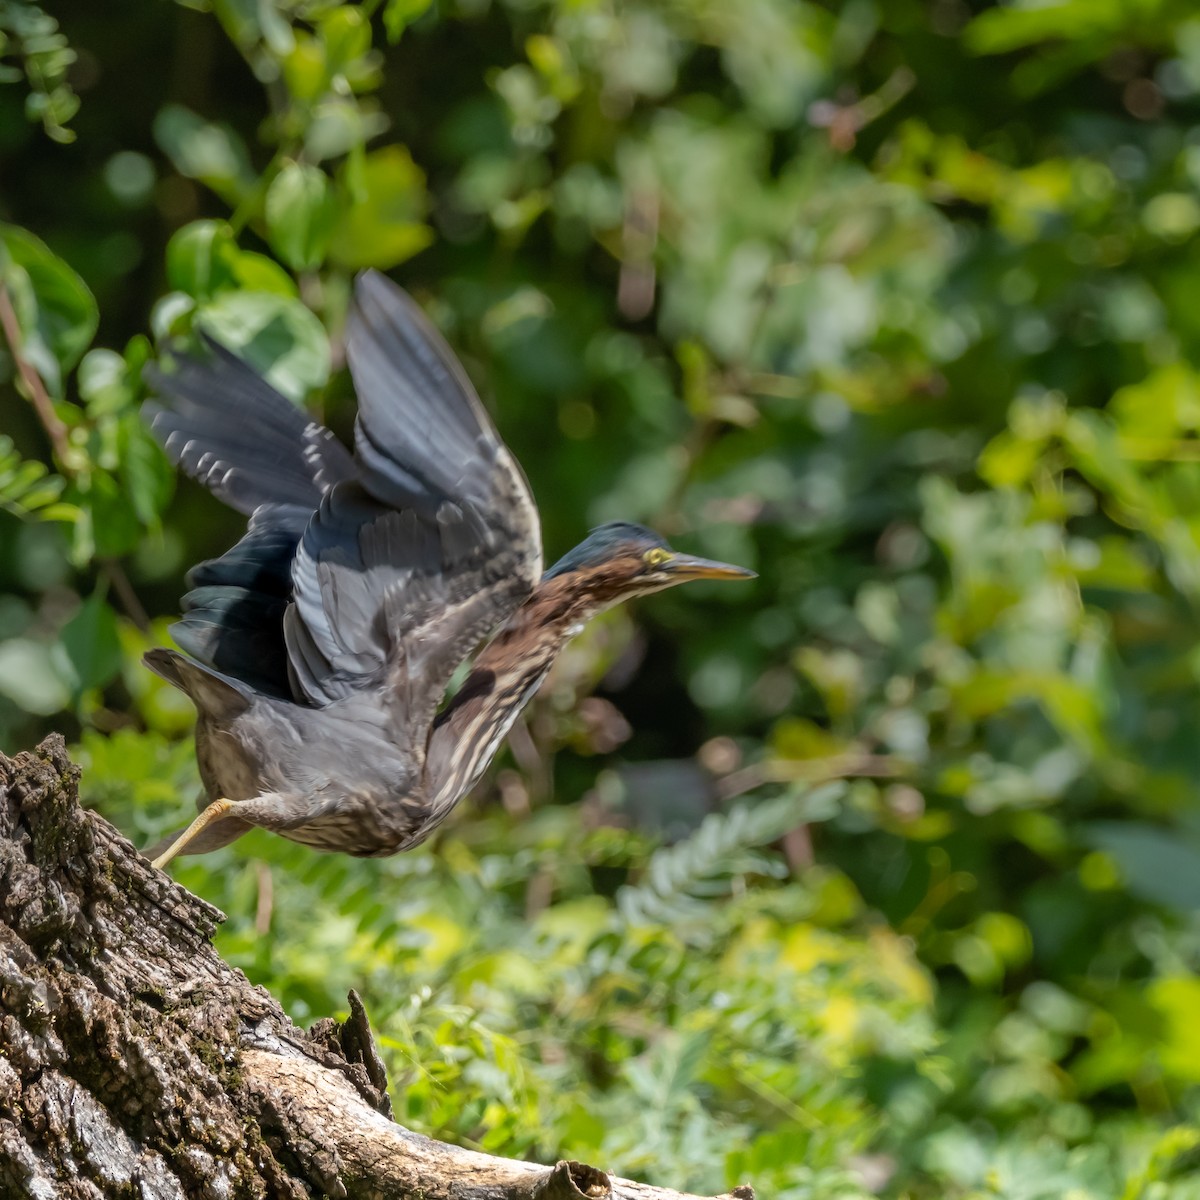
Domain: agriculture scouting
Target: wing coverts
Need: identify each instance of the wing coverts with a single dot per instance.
(377, 571)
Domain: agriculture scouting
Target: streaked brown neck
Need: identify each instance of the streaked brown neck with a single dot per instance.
(504, 678)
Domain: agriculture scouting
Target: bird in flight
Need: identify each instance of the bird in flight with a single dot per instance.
(318, 650)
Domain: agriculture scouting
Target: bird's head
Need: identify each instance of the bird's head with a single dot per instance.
(620, 560)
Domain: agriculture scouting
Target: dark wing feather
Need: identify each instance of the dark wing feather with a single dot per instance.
(400, 576)
(232, 431)
(233, 612)
(422, 434)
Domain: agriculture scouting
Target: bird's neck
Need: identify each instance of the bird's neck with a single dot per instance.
(502, 681)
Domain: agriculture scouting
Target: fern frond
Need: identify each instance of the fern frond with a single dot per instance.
(26, 486)
(683, 880)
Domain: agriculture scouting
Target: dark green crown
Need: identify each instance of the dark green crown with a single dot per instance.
(606, 542)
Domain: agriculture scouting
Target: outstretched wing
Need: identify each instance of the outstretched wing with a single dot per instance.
(232, 431)
(228, 428)
(401, 573)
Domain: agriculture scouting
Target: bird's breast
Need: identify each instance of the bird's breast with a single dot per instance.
(367, 824)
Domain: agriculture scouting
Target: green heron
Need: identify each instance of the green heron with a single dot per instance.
(318, 650)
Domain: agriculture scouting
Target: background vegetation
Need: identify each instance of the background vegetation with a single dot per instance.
(877, 876)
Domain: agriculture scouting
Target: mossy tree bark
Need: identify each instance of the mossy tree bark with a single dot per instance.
(135, 1063)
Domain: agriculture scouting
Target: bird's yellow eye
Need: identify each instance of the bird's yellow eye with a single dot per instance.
(657, 556)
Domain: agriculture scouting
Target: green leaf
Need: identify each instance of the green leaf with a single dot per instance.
(400, 14)
(243, 20)
(138, 352)
(203, 150)
(346, 35)
(203, 259)
(275, 334)
(300, 212)
(1176, 998)
(1004, 29)
(340, 125)
(198, 257)
(108, 526)
(57, 313)
(104, 382)
(381, 224)
(172, 314)
(1160, 865)
(305, 69)
(252, 272)
(91, 645)
(146, 475)
(29, 679)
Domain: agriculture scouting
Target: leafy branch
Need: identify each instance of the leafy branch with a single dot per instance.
(35, 388)
(32, 35)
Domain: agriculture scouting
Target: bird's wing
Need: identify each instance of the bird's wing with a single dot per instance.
(402, 573)
(233, 611)
(228, 428)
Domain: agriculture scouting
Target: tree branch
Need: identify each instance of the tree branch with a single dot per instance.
(56, 431)
(136, 1062)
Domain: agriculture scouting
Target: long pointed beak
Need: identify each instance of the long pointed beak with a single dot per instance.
(685, 566)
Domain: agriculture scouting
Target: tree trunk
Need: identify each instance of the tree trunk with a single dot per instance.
(135, 1063)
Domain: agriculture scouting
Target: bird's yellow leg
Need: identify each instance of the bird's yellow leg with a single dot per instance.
(214, 812)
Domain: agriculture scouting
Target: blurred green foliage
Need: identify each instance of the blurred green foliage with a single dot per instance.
(879, 877)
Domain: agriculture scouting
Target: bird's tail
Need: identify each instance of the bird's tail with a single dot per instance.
(212, 692)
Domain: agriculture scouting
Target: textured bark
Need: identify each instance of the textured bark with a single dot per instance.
(135, 1063)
